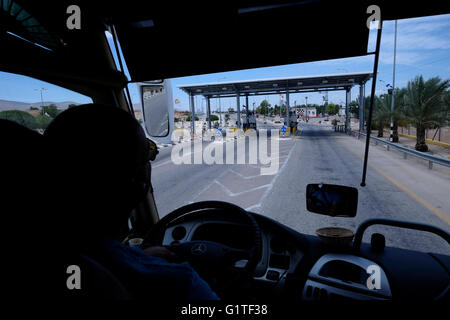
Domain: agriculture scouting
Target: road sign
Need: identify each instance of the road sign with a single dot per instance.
(283, 129)
(219, 132)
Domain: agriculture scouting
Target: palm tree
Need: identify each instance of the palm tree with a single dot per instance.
(381, 113)
(397, 114)
(424, 106)
(447, 100)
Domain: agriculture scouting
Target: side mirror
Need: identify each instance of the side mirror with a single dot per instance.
(157, 107)
(332, 200)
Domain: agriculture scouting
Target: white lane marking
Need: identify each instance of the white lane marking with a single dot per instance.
(184, 156)
(226, 190)
(170, 161)
(255, 206)
(232, 194)
(161, 164)
(270, 185)
(244, 177)
(209, 185)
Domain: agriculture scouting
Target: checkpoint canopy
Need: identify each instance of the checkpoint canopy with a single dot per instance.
(287, 85)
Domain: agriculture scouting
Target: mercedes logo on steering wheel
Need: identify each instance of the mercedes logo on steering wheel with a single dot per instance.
(198, 249)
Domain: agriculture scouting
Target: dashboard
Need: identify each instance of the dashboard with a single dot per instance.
(344, 277)
(279, 256)
(300, 267)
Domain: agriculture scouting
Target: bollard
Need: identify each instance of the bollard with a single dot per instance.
(430, 164)
(405, 155)
(387, 147)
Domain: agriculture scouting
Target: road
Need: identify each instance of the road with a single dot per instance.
(396, 188)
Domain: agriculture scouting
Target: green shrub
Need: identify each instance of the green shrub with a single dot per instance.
(21, 117)
(51, 110)
(189, 118)
(42, 122)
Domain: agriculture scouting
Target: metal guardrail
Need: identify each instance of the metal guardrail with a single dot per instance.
(407, 151)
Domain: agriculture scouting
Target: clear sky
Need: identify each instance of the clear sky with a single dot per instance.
(423, 47)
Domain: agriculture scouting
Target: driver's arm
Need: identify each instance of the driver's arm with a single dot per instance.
(161, 252)
(178, 280)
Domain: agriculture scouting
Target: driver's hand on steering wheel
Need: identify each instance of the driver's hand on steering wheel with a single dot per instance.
(161, 252)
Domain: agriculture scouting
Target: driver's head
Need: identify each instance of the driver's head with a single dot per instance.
(102, 158)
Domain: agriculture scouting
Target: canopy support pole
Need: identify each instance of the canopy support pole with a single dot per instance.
(361, 106)
(348, 98)
(238, 106)
(208, 111)
(192, 116)
(286, 121)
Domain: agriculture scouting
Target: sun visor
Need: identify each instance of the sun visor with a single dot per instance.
(209, 37)
(225, 38)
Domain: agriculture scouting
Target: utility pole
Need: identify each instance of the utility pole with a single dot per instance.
(393, 135)
(42, 99)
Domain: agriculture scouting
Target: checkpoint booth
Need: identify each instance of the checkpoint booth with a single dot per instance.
(277, 86)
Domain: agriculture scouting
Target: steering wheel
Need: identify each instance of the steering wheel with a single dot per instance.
(210, 257)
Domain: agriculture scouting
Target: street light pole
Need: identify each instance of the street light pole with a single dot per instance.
(393, 135)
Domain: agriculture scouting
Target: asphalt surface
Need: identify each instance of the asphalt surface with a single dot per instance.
(396, 188)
